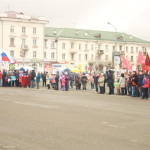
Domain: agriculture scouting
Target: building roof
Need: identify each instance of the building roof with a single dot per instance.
(91, 35)
(20, 15)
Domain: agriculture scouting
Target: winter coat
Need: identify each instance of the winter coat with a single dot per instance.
(38, 76)
(145, 82)
(122, 82)
(140, 79)
(101, 81)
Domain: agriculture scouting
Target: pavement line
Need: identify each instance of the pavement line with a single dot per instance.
(36, 105)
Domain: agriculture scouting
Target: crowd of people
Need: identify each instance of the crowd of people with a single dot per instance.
(133, 84)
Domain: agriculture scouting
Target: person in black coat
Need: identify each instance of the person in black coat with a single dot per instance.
(134, 82)
(140, 79)
(110, 82)
(96, 77)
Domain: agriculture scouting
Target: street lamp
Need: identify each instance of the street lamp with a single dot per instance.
(114, 52)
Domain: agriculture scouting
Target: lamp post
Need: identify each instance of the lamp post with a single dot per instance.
(114, 52)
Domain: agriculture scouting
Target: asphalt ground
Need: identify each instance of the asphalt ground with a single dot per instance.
(41, 119)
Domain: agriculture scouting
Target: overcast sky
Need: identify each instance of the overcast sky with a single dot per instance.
(129, 16)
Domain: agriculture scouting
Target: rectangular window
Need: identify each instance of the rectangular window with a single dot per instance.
(132, 59)
(79, 56)
(12, 29)
(52, 55)
(12, 53)
(127, 49)
(12, 41)
(114, 48)
(23, 29)
(106, 57)
(63, 56)
(92, 57)
(99, 47)
(34, 54)
(45, 43)
(120, 47)
(44, 54)
(92, 47)
(106, 48)
(86, 56)
(34, 30)
(79, 46)
(63, 46)
(86, 47)
(137, 50)
(132, 50)
(72, 45)
(52, 44)
(23, 43)
(34, 43)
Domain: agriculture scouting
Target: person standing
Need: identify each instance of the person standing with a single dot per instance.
(145, 86)
(140, 79)
(84, 80)
(4, 78)
(1, 78)
(96, 77)
(44, 79)
(57, 80)
(122, 83)
(71, 77)
(101, 83)
(134, 81)
(110, 82)
(33, 75)
(38, 76)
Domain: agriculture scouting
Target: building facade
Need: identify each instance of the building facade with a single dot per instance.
(22, 37)
(27, 40)
(85, 47)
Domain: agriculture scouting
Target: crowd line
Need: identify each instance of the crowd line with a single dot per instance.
(132, 84)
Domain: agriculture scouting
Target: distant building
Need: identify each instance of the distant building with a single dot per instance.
(82, 47)
(30, 43)
(22, 36)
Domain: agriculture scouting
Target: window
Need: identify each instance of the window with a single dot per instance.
(12, 29)
(114, 48)
(106, 57)
(92, 57)
(79, 46)
(44, 54)
(137, 50)
(12, 53)
(34, 54)
(120, 47)
(127, 49)
(86, 56)
(106, 48)
(23, 42)
(92, 47)
(63, 45)
(52, 55)
(34, 42)
(34, 30)
(23, 29)
(12, 40)
(99, 47)
(79, 56)
(86, 47)
(52, 44)
(63, 56)
(45, 43)
(132, 50)
(131, 58)
(72, 45)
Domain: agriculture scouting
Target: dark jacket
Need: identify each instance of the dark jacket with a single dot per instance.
(140, 79)
(110, 79)
(134, 80)
(33, 75)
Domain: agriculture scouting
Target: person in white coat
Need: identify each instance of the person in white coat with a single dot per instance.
(122, 83)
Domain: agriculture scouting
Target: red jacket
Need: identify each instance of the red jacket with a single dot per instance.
(146, 83)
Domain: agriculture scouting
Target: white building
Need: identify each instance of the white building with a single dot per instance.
(83, 47)
(22, 36)
(30, 43)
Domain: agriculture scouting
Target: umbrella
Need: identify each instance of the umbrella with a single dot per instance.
(67, 70)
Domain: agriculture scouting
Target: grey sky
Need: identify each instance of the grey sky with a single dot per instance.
(130, 16)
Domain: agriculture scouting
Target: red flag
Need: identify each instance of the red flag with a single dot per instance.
(141, 58)
(125, 64)
(147, 60)
(145, 68)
